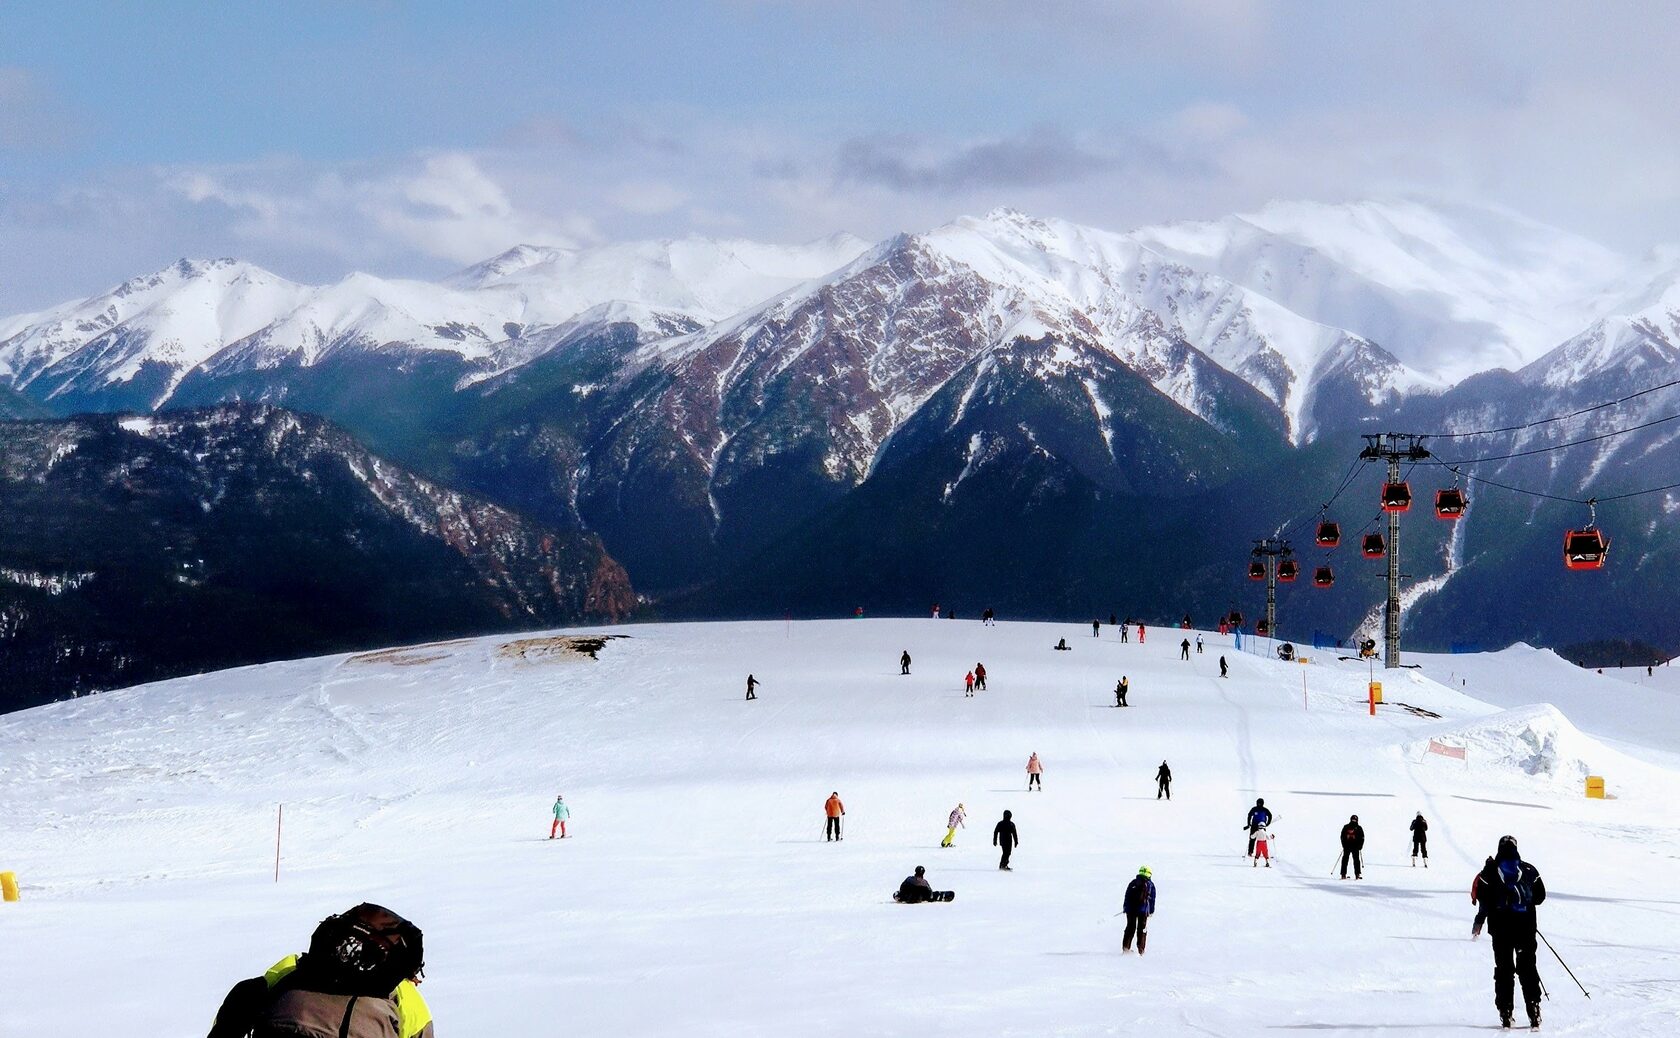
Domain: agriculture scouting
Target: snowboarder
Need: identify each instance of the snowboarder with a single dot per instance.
(358, 979)
(915, 889)
(953, 823)
(904, 662)
(968, 684)
(1163, 781)
(980, 677)
(1198, 645)
(1121, 687)
(1139, 905)
(1096, 625)
(1224, 671)
(561, 814)
(1258, 815)
(1035, 774)
(1062, 646)
(1262, 847)
(752, 685)
(1511, 890)
(1140, 634)
(1184, 649)
(835, 810)
(988, 618)
(1125, 632)
(1005, 835)
(1420, 840)
(1353, 847)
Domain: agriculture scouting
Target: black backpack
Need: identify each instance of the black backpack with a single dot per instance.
(368, 950)
(1516, 890)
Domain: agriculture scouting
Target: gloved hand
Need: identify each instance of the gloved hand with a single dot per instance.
(1476, 931)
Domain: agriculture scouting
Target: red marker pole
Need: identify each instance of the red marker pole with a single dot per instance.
(279, 820)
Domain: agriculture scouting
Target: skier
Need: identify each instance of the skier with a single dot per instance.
(1420, 840)
(1122, 687)
(1353, 846)
(1035, 773)
(1184, 649)
(1485, 904)
(1512, 889)
(1125, 630)
(1139, 905)
(988, 618)
(1224, 628)
(1096, 625)
(1224, 671)
(752, 684)
(980, 676)
(357, 980)
(955, 822)
(1262, 849)
(968, 684)
(1163, 781)
(904, 662)
(1004, 835)
(1198, 645)
(834, 809)
(1258, 815)
(561, 813)
(936, 610)
(1140, 633)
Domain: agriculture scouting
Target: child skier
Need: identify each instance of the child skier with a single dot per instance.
(1035, 774)
(954, 823)
(561, 813)
(968, 684)
(1262, 847)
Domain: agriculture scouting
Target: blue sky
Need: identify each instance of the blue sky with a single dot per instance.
(317, 138)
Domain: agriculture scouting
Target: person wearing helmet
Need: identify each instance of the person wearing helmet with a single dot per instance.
(1258, 815)
(953, 823)
(359, 979)
(915, 889)
(1510, 891)
(1353, 847)
(1139, 905)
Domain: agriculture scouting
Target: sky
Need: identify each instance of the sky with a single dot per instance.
(410, 139)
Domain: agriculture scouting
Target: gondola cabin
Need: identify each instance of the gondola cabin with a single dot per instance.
(1372, 547)
(1329, 534)
(1322, 577)
(1449, 503)
(1262, 628)
(1585, 549)
(1397, 497)
(1288, 570)
(1257, 571)
(1235, 619)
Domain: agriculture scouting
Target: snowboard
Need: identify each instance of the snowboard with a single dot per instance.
(937, 895)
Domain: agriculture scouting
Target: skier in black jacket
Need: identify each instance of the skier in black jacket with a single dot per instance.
(1353, 844)
(1121, 687)
(1510, 890)
(904, 662)
(1163, 781)
(1420, 840)
(1258, 815)
(1139, 905)
(1004, 835)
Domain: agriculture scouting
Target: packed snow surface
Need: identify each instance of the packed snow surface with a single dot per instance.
(697, 896)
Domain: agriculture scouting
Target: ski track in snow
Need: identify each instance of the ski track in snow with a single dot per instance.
(698, 896)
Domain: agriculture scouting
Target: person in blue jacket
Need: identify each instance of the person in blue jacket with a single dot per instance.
(1258, 815)
(1139, 905)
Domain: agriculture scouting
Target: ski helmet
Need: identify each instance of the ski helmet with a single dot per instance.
(1144, 872)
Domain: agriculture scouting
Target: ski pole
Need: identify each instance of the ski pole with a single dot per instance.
(1565, 965)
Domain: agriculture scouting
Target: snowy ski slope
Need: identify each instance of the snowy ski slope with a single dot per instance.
(697, 896)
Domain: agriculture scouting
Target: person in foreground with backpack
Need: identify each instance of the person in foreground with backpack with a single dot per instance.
(1509, 890)
(1139, 905)
(359, 979)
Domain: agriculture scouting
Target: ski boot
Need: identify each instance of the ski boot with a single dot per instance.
(1505, 1018)
(1534, 1016)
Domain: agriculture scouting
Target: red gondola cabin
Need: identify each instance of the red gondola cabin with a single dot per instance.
(1585, 549)
(1450, 503)
(1322, 577)
(1373, 546)
(1397, 497)
(1257, 571)
(1288, 570)
(1329, 534)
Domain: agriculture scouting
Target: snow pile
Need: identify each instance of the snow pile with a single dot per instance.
(1534, 741)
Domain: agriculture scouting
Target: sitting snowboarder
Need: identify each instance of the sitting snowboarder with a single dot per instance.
(358, 980)
(916, 890)
(1062, 645)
